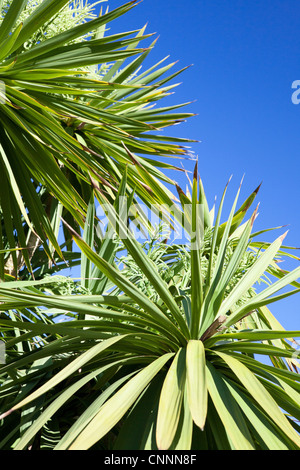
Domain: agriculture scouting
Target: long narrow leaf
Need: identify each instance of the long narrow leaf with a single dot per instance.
(228, 410)
(196, 382)
(170, 402)
(261, 395)
(68, 370)
(251, 276)
(113, 410)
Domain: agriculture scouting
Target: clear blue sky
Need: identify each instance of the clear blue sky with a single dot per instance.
(245, 57)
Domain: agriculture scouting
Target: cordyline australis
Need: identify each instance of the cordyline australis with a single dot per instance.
(76, 101)
(163, 349)
(160, 353)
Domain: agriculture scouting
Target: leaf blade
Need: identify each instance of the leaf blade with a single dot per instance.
(196, 382)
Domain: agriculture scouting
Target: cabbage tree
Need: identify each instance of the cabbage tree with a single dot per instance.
(72, 96)
(159, 348)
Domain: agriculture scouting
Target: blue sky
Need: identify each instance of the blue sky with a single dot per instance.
(245, 57)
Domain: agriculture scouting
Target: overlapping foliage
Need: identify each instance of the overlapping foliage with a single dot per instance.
(64, 126)
(156, 346)
(129, 370)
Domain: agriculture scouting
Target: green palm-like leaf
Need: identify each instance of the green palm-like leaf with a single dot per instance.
(170, 402)
(196, 382)
(62, 128)
(157, 349)
(115, 408)
(126, 347)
